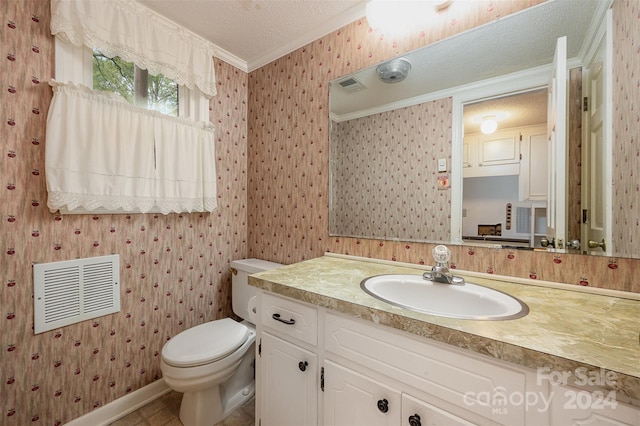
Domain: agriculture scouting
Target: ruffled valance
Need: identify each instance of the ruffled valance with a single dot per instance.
(104, 153)
(127, 29)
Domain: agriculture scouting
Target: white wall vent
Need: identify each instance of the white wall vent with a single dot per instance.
(75, 290)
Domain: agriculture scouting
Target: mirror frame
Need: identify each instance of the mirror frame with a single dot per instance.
(534, 78)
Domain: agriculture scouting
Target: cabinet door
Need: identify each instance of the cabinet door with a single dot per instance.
(351, 399)
(572, 406)
(289, 385)
(501, 149)
(533, 168)
(419, 413)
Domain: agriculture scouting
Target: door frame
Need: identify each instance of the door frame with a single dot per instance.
(535, 78)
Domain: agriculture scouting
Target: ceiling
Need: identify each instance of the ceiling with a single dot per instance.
(251, 33)
(518, 42)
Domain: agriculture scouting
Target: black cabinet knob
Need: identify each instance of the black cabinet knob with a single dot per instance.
(302, 365)
(383, 405)
(414, 420)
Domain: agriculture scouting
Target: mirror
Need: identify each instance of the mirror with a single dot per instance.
(505, 170)
(396, 149)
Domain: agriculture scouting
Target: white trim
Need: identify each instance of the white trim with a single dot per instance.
(452, 91)
(349, 16)
(231, 59)
(512, 83)
(608, 125)
(119, 408)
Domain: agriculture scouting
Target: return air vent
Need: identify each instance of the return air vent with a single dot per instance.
(75, 290)
(351, 84)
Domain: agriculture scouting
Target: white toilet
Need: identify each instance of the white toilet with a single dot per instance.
(213, 363)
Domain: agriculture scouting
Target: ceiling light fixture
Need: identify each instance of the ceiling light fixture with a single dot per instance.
(393, 71)
(489, 125)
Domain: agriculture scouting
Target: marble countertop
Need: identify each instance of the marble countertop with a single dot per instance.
(564, 331)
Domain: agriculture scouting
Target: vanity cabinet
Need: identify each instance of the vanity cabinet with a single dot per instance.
(287, 363)
(572, 406)
(352, 399)
(289, 373)
(316, 366)
(442, 381)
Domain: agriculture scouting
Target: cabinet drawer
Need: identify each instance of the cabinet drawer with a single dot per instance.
(463, 380)
(290, 318)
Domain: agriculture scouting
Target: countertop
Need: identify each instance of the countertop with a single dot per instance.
(564, 331)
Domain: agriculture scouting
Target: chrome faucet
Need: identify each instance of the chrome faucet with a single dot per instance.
(440, 273)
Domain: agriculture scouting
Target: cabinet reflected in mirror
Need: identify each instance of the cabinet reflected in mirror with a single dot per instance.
(505, 170)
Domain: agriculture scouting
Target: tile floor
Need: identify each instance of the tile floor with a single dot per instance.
(164, 411)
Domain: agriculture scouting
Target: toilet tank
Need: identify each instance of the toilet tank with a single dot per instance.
(243, 295)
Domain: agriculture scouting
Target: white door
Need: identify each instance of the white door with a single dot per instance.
(596, 147)
(351, 399)
(289, 386)
(556, 136)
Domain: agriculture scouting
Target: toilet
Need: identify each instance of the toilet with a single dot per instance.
(212, 364)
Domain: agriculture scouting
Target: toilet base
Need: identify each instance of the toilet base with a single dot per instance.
(205, 408)
(209, 406)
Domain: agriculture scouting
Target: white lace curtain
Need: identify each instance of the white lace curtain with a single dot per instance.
(127, 29)
(102, 152)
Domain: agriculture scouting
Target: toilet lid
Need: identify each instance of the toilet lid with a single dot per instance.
(205, 343)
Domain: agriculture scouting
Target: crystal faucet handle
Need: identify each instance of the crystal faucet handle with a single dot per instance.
(441, 254)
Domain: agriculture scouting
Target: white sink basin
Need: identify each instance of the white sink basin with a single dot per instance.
(468, 301)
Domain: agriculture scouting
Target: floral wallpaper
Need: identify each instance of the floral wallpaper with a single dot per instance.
(375, 156)
(174, 269)
(626, 126)
(288, 169)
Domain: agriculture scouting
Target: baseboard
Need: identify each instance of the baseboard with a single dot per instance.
(119, 408)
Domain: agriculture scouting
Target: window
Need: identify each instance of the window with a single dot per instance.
(79, 64)
(110, 151)
(136, 85)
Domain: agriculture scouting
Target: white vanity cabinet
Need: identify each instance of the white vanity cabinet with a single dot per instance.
(437, 382)
(287, 363)
(352, 399)
(316, 366)
(572, 406)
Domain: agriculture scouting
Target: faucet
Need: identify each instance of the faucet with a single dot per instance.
(440, 273)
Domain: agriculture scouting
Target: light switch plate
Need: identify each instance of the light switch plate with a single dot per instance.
(442, 165)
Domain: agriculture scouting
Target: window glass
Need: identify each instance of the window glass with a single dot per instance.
(136, 85)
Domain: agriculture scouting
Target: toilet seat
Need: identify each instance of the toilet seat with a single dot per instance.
(205, 343)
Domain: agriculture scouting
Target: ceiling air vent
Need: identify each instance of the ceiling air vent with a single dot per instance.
(351, 84)
(75, 290)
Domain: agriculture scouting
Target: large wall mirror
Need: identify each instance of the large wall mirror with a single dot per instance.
(409, 162)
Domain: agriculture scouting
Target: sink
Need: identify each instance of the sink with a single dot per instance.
(468, 301)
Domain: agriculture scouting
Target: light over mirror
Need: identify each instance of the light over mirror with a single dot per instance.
(409, 162)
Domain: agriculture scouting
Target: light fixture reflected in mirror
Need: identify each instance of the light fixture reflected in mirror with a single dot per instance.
(489, 125)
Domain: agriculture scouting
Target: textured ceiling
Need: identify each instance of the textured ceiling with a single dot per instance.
(252, 33)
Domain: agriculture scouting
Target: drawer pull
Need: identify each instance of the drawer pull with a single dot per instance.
(288, 322)
(414, 420)
(383, 405)
(302, 365)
